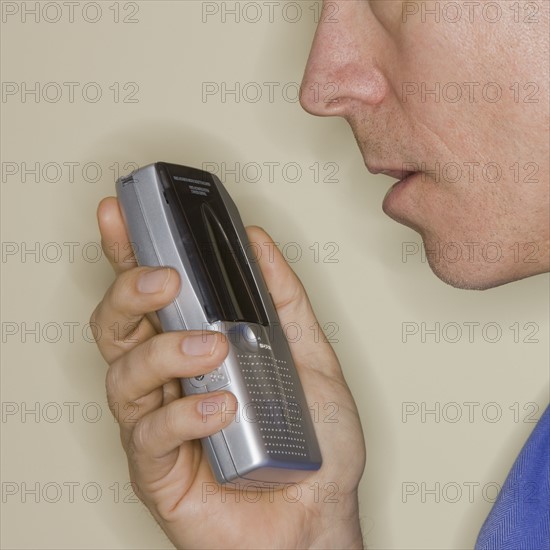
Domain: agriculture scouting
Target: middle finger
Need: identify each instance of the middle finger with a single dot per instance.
(134, 381)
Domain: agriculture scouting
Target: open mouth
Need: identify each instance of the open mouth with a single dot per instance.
(398, 174)
(395, 201)
(403, 177)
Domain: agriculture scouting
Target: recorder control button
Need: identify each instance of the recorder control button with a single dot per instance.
(198, 381)
(216, 379)
(249, 335)
(243, 337)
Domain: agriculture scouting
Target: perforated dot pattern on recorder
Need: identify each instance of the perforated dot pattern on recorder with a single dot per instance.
(276, 409)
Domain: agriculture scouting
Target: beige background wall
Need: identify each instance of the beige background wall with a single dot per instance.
(64, 478)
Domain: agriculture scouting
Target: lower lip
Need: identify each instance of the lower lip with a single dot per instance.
(398, 187)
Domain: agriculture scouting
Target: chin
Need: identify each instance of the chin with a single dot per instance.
(467, 255)
(465, 277)
(479, 275)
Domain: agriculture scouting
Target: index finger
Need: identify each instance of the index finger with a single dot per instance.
(114, 237)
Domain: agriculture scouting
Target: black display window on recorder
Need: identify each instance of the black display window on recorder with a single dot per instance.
(226, 283)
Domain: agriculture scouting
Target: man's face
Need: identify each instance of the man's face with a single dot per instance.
(457, 93)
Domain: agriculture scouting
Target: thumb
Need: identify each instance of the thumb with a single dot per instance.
(114, 237)
(310, 347)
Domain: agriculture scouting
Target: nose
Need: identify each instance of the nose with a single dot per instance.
(342, 72)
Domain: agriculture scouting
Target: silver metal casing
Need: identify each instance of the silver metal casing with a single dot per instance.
(168, 209)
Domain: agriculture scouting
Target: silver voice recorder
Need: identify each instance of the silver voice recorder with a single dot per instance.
(184, 218)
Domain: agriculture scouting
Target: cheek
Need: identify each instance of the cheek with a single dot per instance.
(483, 80)
(471, 103)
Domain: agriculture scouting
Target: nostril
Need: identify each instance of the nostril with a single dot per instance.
(325, 92)
(319, 98)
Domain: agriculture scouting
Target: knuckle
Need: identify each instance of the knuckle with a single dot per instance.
(112, 384)
(138, 440)
(172, 417)
(122, 290)
(94, 325)
(136, 488)
(153, 350)
(93, 316)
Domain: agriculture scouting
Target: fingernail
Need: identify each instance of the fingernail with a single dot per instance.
(212, 404)
(153, 281)
(199, 344)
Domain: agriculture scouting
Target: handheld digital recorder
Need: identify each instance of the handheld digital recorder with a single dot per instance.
(184, 218)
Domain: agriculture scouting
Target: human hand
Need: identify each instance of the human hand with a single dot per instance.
(160, 429)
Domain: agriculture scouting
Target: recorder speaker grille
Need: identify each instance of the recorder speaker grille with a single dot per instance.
(274, 405)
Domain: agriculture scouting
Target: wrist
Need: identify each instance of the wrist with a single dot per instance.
(340, 528)
(345, 535)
